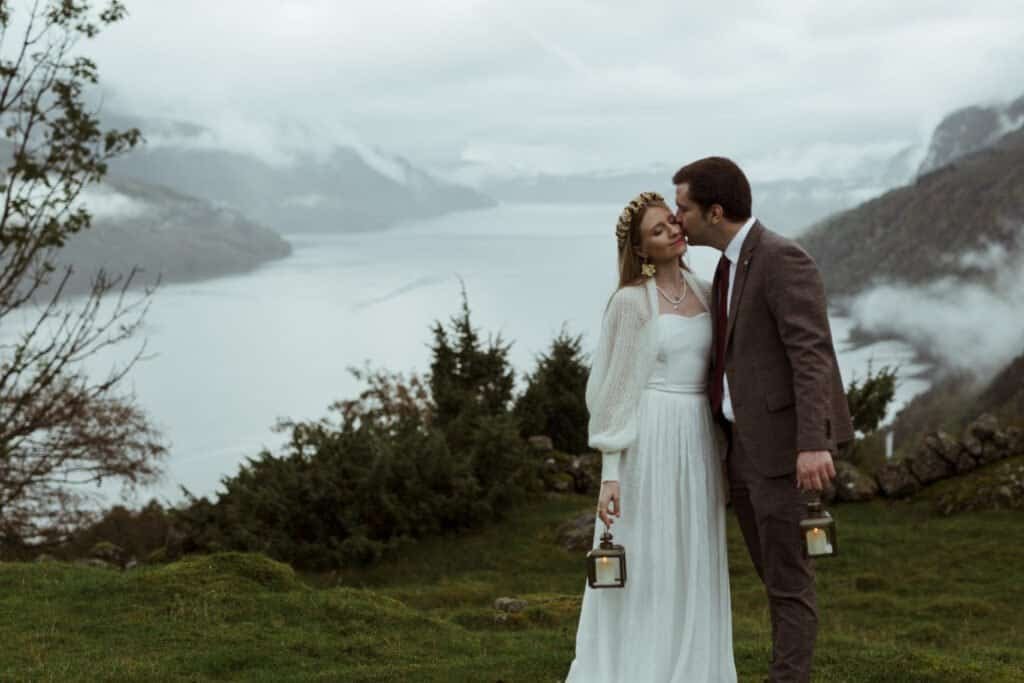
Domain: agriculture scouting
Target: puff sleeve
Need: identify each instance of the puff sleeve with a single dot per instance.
(622, 362)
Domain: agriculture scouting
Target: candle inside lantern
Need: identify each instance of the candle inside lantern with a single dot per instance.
(817, 542)
(606, 571)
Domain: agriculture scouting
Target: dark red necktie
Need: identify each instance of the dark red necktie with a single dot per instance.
(721, 288)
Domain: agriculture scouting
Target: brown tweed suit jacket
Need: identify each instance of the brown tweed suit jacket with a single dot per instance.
(784, 382)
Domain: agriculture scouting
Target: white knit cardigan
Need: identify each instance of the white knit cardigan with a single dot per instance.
(623, 363)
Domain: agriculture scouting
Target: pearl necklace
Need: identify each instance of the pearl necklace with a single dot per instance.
(674, 302)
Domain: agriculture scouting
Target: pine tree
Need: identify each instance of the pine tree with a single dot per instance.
(554, 401)
(869, 399)
(468, 379)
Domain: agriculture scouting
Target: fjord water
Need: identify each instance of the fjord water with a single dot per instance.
(231, 355)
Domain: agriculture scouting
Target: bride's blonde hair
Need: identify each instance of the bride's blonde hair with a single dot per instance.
(627, 232)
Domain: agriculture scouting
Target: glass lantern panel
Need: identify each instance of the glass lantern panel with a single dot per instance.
(607, 570)
(818, 542)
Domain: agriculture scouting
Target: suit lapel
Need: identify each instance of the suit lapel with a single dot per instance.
(742, 266)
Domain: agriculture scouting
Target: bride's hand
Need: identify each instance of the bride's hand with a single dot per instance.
(609, 494)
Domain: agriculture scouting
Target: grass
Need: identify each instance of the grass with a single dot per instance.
(981, 490)
(913, 597)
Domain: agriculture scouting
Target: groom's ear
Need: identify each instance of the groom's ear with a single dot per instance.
(715, 214)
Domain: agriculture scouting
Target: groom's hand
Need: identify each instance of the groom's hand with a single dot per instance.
(814, 470)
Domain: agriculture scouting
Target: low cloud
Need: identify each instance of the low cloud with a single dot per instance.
(966, 325)
(276, 141)
(106, 204)
(306, 201)
(829, 160)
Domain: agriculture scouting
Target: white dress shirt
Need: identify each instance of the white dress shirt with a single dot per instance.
(732, 252)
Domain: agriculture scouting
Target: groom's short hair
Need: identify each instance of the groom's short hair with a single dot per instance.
(717, 180)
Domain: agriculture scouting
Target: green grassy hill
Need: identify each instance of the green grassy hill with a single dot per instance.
(914, 597)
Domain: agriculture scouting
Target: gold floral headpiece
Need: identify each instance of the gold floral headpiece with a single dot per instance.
(639, 203)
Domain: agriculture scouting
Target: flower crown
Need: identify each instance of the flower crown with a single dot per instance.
(639, 203)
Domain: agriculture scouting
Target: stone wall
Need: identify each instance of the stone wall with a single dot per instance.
(940, 456)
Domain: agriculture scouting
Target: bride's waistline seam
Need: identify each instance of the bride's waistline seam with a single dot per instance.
(692, 389)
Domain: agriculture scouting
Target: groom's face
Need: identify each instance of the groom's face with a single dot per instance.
(690, 216)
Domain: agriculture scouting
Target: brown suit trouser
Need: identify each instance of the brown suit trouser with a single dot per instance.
(769, 510)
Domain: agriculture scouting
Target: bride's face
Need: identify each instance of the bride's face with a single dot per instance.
(661, 240)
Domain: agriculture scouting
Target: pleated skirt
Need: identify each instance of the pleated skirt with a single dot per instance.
(672, 622)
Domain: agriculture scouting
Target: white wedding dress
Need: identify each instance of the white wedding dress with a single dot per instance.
(672, 622)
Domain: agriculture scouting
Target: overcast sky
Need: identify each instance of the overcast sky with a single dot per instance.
(787, 88)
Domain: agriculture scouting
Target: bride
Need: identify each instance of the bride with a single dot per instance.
(662, 481)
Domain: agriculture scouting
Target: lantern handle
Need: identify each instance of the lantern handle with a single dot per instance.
(606, 537)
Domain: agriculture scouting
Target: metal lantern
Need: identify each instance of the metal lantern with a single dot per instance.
(606, 564)
(819, 531)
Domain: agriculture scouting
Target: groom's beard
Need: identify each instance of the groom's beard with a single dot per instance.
(695, 240)
(697, 235)
(705, 237)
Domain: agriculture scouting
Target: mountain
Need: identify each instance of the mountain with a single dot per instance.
(164, 232)
(786, 205)
(1004, 396)
(970, 129)
(958, 399)
(337, 189)
(955, 222)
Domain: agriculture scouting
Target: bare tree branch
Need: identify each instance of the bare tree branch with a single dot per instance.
(61, 431)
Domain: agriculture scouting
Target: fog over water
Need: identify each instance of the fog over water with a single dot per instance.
(973, 326)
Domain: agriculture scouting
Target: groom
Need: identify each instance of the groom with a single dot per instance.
(775, 389)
